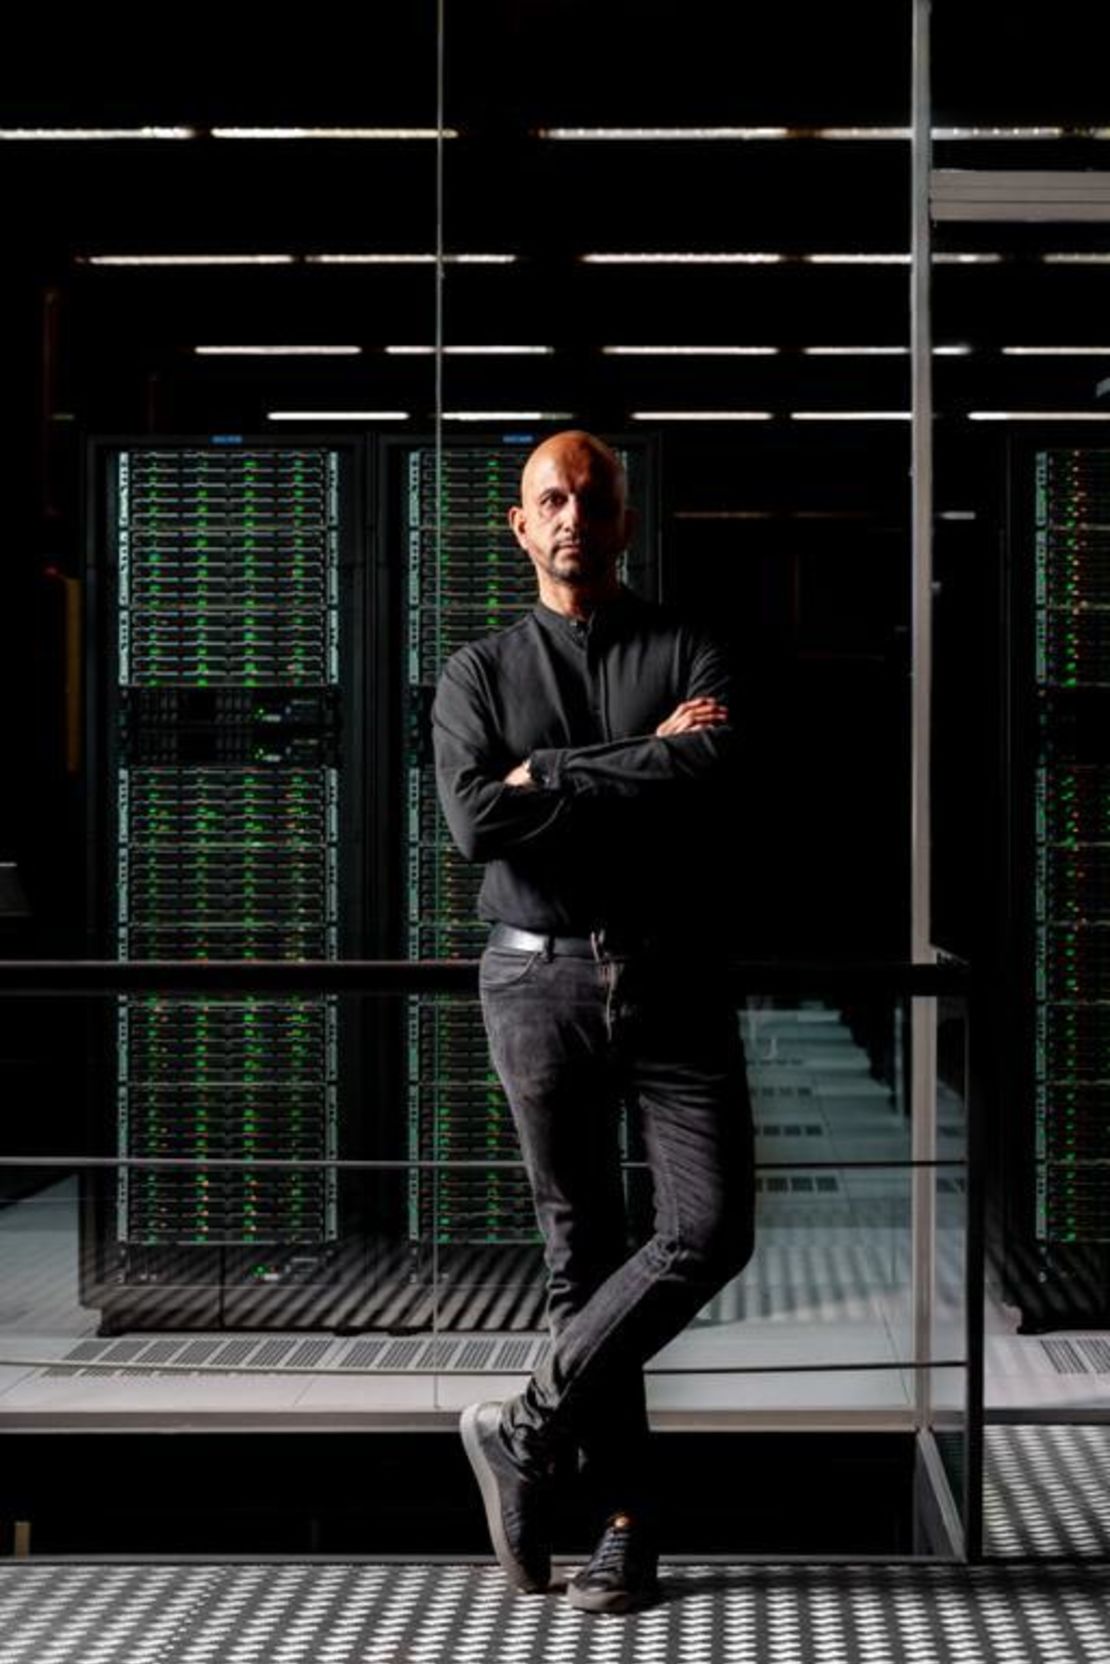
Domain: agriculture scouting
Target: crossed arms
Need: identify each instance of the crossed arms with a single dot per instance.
(493, 812)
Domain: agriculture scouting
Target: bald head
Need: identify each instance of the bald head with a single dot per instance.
(571, 442)
(573, 522)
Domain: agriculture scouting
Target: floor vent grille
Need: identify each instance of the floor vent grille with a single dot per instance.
(1078, 1356)
(507, 1355)
(798, 1184)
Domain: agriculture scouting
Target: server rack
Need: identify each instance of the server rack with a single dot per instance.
(225, 779)
(260, 782)
(1055, 1203)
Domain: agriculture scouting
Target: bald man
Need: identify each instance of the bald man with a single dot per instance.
(585, 755)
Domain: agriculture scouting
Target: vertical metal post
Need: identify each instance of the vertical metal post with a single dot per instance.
(923, 1024)
(437, 534)
(974, 1293)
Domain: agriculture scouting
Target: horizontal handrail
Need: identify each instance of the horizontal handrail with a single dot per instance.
(405, 1164)
(425, 976)
(119, 1366)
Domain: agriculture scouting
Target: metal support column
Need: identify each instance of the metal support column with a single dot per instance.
(923, 1021)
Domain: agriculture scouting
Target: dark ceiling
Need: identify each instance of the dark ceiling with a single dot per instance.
(796, 528)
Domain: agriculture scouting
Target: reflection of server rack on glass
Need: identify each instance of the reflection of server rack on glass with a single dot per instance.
(1058, 1175)
(233, 817)
(225, 828)
(463, 581)
(466, 577)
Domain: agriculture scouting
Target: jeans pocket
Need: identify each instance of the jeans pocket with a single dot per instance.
(505, 968)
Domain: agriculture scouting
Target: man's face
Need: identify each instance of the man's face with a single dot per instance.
(572, 522)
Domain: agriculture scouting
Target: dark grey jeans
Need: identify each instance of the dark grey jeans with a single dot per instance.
(569, 1037)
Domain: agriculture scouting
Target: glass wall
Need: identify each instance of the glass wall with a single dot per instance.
(293, 361)
(1019, 243)
(205, 1280)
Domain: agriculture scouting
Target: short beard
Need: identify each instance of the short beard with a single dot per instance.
(588, 576)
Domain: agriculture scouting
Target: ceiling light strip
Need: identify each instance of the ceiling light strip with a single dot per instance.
(590, 134)
(770, 415)
(1038, 415)
(770, 352)
(291, 259)
(666, 134)
(332, 133)
(338, 415)
(595, 258)
(702, 415)
(1055, 352)
(688, 415)
(186, 259)
(773, 514)
(276, 352)
(955, 350)
(464, 351)
(736, 257)
(848, 415)
(507, 415)
(408, 259)
(96, 134)
(691, 352)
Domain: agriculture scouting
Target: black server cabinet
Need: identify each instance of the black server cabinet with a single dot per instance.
(226, 754)
(262, 657)
(459, 574)
(1055, 1201)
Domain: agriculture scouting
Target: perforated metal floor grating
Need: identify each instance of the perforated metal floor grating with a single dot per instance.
(1047, 1490)
(323, 1613)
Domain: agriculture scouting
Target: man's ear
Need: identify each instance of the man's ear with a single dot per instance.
(516, 521)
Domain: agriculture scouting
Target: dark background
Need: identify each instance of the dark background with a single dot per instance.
(794, 536)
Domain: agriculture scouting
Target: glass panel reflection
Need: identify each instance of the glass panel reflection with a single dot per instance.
(408, 1310)
(952, 1409)
(830, 1282)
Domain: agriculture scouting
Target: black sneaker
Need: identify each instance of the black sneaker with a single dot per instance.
(517, 1502)
(621, 1575)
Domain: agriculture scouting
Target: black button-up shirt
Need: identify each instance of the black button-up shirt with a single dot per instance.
(624, 829)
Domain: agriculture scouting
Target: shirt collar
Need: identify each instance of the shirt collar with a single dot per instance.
(603, 616)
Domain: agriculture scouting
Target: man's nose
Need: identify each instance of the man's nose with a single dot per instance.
(572, 513)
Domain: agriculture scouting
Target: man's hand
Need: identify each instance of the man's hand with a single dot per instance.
(691, 714)
(684, 719)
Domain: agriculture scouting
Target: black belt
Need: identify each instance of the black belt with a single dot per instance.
(578, 947)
